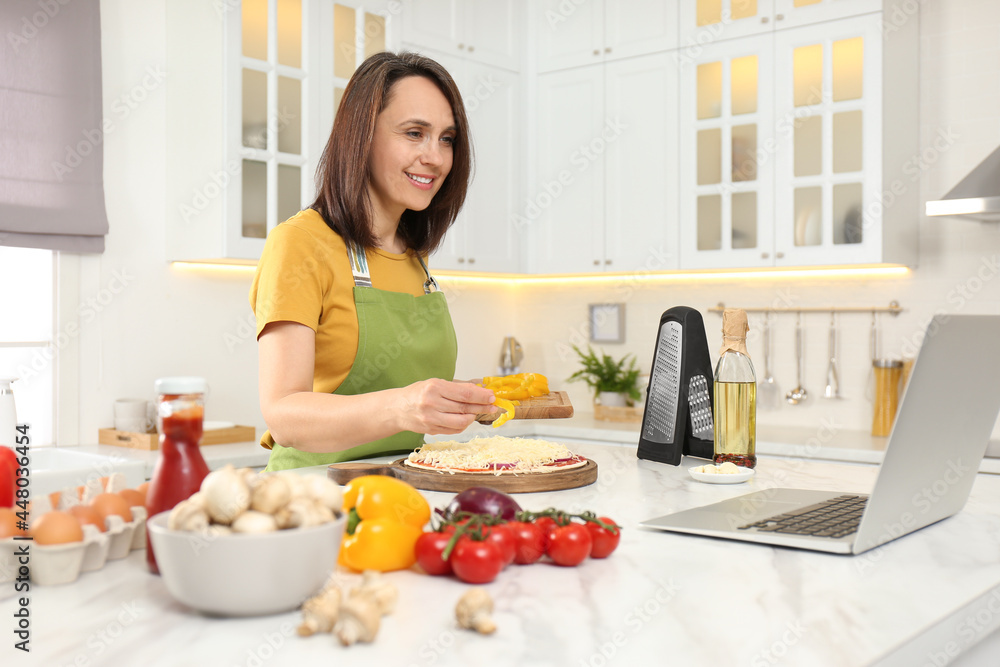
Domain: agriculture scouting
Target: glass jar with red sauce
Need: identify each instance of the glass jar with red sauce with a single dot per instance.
(180, 467)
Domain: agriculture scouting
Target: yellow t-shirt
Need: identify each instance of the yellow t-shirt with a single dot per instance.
(304, 275)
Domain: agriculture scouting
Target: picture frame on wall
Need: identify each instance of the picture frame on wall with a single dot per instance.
(607, 322)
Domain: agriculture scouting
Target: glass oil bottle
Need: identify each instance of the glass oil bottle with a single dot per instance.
(735, 396)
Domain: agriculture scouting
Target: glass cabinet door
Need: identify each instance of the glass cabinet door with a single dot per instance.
(727, 153)
(274, 115)
(704, 22)
(829, 162)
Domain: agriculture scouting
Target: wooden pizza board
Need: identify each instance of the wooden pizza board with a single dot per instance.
(428, 480)
(554, 405)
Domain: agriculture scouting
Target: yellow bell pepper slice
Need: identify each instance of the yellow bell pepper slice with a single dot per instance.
(507, 407)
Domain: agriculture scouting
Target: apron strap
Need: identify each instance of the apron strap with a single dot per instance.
(362, 278)
(359, 265)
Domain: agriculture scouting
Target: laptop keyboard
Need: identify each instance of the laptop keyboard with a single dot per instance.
(836, 517)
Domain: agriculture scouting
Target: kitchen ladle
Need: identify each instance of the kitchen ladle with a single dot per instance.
(768, 394)
(832, 389)
(799, 394)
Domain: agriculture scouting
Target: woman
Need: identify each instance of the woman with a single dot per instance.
(356, 346)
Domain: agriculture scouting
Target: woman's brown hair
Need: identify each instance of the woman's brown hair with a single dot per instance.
(342, 176)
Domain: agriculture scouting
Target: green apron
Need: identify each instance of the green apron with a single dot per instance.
(402, 339)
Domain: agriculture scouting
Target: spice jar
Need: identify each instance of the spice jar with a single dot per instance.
(180, 467)
(887, 375)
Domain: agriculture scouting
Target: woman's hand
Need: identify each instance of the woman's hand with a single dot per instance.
(436, 407)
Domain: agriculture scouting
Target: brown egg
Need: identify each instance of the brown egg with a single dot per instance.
(54, 498)
(107, 504)
(133, 497)
(8, 523)
(86, 514)
(56, 528)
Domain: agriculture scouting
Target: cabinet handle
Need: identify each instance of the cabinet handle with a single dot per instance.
(779, 255)
(461, 260)
(461, 46)
(764, 19)
(472, 260)
(607, 261)
(597, 262)
(607, 49)
(763, 255)
(779, 17)
(471, 49)
(597, 52)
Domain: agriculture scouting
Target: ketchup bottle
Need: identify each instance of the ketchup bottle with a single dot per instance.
(180, 467)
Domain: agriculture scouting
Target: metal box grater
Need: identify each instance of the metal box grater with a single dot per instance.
(678, 415)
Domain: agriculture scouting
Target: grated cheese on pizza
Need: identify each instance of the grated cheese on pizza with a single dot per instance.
(495, 455)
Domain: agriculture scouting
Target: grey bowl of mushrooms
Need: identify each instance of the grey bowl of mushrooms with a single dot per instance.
(249, 544)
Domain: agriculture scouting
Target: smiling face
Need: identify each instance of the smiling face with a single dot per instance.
(411, 151)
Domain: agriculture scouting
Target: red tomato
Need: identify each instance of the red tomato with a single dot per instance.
(476, 562)
(428, 550)
(604, 540)
(546, 523)
(503, 536)
(569, 545)
(529, 542)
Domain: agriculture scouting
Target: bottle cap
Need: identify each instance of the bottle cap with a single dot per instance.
(734, 331)
(181, 385)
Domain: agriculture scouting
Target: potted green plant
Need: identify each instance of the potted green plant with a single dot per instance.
(614, 383)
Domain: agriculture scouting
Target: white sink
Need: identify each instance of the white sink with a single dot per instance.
(55, 468)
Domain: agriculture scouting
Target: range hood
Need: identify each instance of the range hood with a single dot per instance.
(976, 196)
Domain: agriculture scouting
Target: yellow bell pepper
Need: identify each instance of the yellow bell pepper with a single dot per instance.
(386, 516)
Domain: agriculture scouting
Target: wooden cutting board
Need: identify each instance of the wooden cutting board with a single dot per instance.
(428, 480)
(554, 405)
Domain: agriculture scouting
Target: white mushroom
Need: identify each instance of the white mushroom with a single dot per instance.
(359, 620)
(226, 494)
(252, 521)
(382, 592)
(302, 512)
(473, 611)
(320, 612)
(326, 491)
(296, 485)
(270, 493)
(188, 515)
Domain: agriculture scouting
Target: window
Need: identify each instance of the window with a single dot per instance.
(26, 336)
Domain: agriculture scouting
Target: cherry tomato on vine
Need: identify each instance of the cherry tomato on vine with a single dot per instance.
(428, 550)
(530, 542)
(476, 561)
(605, 541)
(546, 523)
(569, 545)
(503, 536)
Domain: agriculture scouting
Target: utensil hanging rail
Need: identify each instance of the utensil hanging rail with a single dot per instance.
(894, 308)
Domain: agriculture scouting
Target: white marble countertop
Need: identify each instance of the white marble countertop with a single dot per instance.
(824, 442)
(660, 598)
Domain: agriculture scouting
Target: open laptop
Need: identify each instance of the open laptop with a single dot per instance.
(931, 459)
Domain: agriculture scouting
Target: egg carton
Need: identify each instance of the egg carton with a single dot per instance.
(54, 564)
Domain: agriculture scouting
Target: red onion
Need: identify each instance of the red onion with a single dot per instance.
(482, 500)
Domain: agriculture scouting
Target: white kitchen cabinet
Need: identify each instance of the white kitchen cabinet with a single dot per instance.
(564, 214)
(485, 31)
(247, 123)
(812, 169)
(572, 34)
(704, 22)
(606, 197)
(483, 238)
